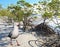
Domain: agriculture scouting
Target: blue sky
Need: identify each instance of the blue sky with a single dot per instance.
(5, 3)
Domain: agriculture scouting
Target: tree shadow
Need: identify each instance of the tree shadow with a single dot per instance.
(42, 29)
(3, 44)
(55, 43)
(3, 35)
(3, 40)
(29, 42)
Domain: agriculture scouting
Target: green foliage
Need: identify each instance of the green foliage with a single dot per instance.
(4, 12)
(18, 10)
(57, 26)
(35, 17)
(50, 8)
(23, 3)
(54, 6)
(47, 15)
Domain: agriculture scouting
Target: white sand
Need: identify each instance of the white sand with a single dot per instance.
(23, 40)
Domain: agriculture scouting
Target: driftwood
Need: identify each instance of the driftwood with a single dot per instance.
(44, 29)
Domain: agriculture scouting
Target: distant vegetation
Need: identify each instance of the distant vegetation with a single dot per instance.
(23, 9)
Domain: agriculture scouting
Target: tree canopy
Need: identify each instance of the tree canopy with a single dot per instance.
(47, 8)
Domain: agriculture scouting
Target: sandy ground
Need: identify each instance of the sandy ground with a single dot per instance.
(24, 39)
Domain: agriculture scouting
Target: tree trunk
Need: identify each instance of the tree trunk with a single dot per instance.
(24, 23)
